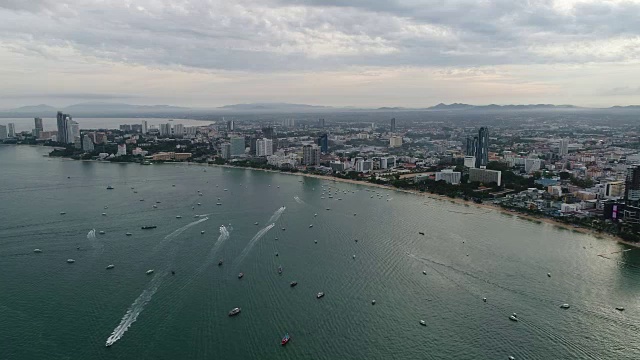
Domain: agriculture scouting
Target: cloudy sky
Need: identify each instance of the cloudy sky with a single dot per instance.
(327, 52)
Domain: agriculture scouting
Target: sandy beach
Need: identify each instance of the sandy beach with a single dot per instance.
(458, 201)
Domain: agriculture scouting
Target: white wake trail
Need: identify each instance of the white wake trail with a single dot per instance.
(298, 200)
(138, 305)
(92, 234)
(276, 215)
(252, 242)
(134, 310)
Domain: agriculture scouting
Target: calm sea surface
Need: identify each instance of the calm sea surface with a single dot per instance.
(50, 309)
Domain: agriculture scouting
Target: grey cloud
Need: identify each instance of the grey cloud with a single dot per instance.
(621, 91)
(76, 96)
(307, 35)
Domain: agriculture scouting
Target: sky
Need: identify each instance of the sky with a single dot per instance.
(364, 53)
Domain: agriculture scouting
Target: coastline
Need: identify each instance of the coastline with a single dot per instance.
(458, 201)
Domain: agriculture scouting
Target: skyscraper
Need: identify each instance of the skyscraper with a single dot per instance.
(145, 127)
(323, 143)
(563, 147)
(11, 130)
(38, 127)
(632, 186)
(87, 143)
(165, 129)
(230, 125)
(3, 132)
(225, 151)
(268, 132)
(237, 146)
(393, 125)
(264, 147)
(321, 123)
(482, 149)
(178, 130)
(471, 146)
(65, 132)
(310, 155)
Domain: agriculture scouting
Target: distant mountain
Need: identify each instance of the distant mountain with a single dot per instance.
(275, 107)
(459, 106)
(115, 107)
(33, 108)
(628, 107)
(95, 109)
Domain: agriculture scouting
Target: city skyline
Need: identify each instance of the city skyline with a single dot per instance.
(338, 53)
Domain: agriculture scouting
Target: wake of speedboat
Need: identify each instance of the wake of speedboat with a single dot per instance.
(95, 244)
(298, 200)
(177, 232)
(134, 310)
(252, 242)
(276, 215)
(92, 234)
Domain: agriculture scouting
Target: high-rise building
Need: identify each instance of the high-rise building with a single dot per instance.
(485, 176)
(471, 146)
(38, 127)
(310, 155)
(264, 147)
(65, 131)
(632, 186)
(145, 127)
(165, 129)
(393, 125)
(289, 122)
(75, 130)
(321, 123)
(225, 151)
(87, 143)
(230, 125)
(563, 147)
(3, 132)
(532, 165)
(178, 130)
(11, 130)
(482, 149)
(323, 143)
(122, 150)
(449, 176)
(268, 132)
(395, 141)
(237, 146)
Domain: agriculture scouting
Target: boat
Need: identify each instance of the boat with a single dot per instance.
(373, 302)
(109, 187)
(354, 214)
(356, 240)
(548, 274)
(148, 227)
(110, 266)
(319, 295)
(328, 208)
(173, 272)
(174, 185)
(420, 232)
(276, 253)
(220, 262)
(255, 223)
(37, 251)
(62, 212)
(511, 358)
(283, 229)
(128, 234)
(141, 199)
(565, 306)
(315, 241)
(199, 204)
(226, 190)
(135, 191)
(276, 238)
(234, 312)
(424, 272)
(202, 232)
(311, 225)
(285, 339)
(293, 283)
(423, 323)
(218, 203)
(353, 256)
(620, 308)
(178, 217)
(104, 214)
(484, 299)
(280, 269)
(513, 318)
(101, 232)
(70, 261)
(240, 275)
(106, 207)
(150, 271)
(314, 215)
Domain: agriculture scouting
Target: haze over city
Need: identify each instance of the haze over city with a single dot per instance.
(320, 52)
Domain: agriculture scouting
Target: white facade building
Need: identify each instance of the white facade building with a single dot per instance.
(264, 147)
(122, 150)
(395, 141)
(450, 176)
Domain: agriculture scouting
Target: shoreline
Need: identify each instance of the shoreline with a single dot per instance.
(458, 201)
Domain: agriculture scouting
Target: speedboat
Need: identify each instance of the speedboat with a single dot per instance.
(424, 272)
(234, 311)
(70, 261)
(202, 232)
(110, 266)
(141, 199)
(319, 295)
(311, 225)
(283, 229)
(484, 299)
(285, 339)
(174, 185)
(226, 190)
(240, 275)
(62, 212)
(277, 253)
(620, 308)
(220, 262)
(128, 234)
(147, 227)
(276, 238)
(157, 202)
(106, 207)
(513, 317)
(109, 187)
(199, 204)
(101, 232)
(328, 208)
(549, 274)
(150, 271)
(314, 215)
(218, 203)
(373, 302)
(37, 251)
(354, 214)
(315, 241)
(255, 223)
(420, 232)
(511, 358)
(155, 206)
(293, 283)
(354, 256)
(423, 323)
(280, 270)
(565, 306)
(104, 214)
(178, 217)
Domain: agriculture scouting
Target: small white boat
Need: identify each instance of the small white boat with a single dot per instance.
(565, 306)
(106, 207)
(178, 217)
(328, 208)
(101, 232)
(150, 271)
(128, 234)
(311, 225)
(226, 190)
(155, 206)
(513, 318)
(511, 358)
(314, 215)
(319, 295)
(202, 232)
(110, 266)
(620, 308)
(373, 302)
(283, 229)
(218, 203)
(484, 299)
(315, 241)
(424, 272)
(62, 212)
(423, 323)
(549, 274)
(37, 251)
(70, 261)
(104, 214)
(354, 214)
(255, 223)
(354, 257)
(321, 197)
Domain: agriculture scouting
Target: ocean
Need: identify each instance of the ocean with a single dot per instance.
(51, 309)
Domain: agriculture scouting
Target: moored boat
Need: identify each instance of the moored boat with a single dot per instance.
(234, 311)
(110, 266)
(150, 271)
(240, 275)
(146, 227)
(319, 295)
(285, 339)
(293, 283)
